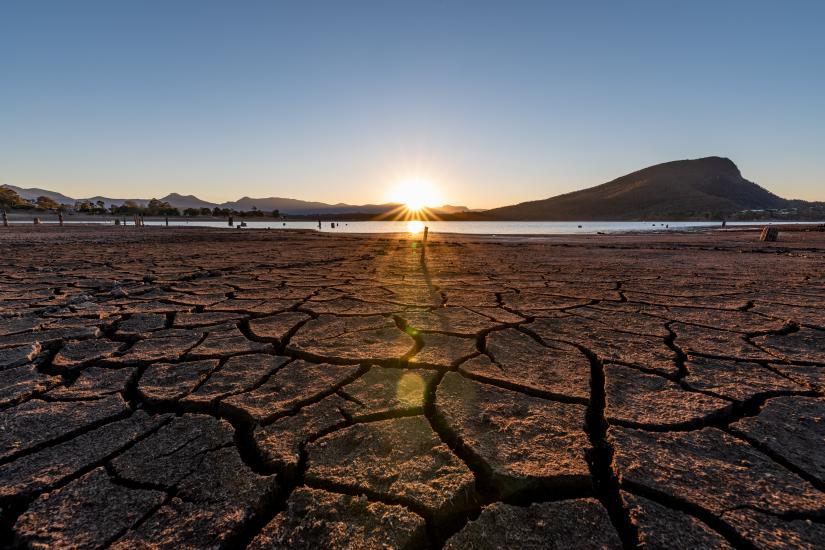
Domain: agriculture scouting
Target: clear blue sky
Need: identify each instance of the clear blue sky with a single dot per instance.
(498, 102)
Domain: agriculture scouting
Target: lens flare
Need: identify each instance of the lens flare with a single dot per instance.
(410, 389)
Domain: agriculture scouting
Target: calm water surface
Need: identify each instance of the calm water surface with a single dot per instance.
(473, 228)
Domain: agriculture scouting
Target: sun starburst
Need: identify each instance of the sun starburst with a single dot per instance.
(415, 198)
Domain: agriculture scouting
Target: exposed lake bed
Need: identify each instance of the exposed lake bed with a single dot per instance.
(294, 388)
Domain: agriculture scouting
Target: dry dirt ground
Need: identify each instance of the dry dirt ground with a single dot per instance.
(197, 388)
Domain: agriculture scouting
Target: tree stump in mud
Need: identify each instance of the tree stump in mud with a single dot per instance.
(424, 243)
(37, 221)
(5, 218)
(769, 234)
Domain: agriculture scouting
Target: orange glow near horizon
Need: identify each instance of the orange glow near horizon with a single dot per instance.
(415, 197)
(416, 194)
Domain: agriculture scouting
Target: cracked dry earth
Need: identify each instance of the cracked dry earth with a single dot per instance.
(197, 388)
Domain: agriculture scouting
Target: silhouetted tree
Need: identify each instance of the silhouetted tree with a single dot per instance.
(10, 199)
(47, 203)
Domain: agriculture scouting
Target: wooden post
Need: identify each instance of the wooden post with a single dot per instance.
(167, 221)
(424, 242)
(60, 218)
(5, 219)
(37, 221)
(769, 234)
(231, 221)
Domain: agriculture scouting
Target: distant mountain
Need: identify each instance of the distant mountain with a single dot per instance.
(109, 201)
(674, 190)
(32, 193)
(186, 201)
(266, 204)
(291, 206)
(710, 187)
(450, 209)
(306, 208)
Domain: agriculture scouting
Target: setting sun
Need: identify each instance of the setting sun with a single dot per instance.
(416, 194)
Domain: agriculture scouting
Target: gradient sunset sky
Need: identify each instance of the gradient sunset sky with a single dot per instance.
(496, 102)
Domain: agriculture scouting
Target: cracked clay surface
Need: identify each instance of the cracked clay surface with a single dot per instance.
(202, 388)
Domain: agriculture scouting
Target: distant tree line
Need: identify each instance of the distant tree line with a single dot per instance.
(154, 207)
(218, 212)
(9, 199)
(89, 207)
(812, 211)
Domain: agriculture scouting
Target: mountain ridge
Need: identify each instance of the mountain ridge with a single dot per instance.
(691, 188)
(266, 204)
(703, 188)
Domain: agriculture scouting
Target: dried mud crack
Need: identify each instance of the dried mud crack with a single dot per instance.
(215, 389)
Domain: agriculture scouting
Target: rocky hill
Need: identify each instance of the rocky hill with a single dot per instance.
(682, 189)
